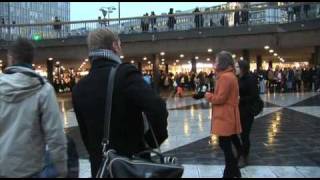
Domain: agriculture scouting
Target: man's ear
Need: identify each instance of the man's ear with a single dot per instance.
(115, 47)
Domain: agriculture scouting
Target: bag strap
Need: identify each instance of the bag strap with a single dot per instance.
(108, 107)
(148, 124)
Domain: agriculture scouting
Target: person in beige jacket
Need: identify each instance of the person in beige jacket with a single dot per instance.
(30, 119)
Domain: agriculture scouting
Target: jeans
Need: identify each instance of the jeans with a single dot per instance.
(49, 171)
(262, 86)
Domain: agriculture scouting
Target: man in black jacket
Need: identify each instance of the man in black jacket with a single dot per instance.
(131, 96)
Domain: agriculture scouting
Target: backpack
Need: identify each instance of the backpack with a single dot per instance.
(257, 106)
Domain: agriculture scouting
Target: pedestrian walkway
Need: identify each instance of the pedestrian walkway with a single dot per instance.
(284, 137)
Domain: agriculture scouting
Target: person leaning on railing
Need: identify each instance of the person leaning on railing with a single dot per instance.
(171, 20)
(153, 21)
(57, 26)
(221, 14)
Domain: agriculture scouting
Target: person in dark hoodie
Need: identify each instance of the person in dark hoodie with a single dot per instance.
(131, 96)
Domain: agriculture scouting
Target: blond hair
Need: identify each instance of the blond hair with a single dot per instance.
(101, 39)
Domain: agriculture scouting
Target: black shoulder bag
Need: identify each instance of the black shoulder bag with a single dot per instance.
(116, 166)
(257, 106)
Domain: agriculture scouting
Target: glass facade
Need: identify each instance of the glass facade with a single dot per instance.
(34, 12)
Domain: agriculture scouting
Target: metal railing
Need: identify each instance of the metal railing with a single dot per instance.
(176, 22)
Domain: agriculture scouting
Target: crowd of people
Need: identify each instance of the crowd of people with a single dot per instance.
(177, 84)
(198, 82)
(280, 80)
(65, 81)
(32, 137)
(151, 20)
(289, 79)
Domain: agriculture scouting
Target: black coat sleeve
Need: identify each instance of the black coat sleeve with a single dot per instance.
(81, 122)
(144, 97)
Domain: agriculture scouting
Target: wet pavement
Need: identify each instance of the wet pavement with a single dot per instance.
(285, 137)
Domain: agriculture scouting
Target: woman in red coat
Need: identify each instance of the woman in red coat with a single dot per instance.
(225, 113)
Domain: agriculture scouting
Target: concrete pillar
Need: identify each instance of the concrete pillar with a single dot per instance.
(317, 55)
(156, 72)
(167, 68)
(313, 60)
(246, 55)
(193, 65)
(140, 66)
(259, 63)
(50, 70)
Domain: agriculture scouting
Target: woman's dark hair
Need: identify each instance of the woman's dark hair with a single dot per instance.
(244, 66)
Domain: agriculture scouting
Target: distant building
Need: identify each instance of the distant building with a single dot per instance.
(267, 16)
(33, 12)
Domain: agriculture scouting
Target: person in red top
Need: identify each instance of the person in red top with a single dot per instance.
(225, 113)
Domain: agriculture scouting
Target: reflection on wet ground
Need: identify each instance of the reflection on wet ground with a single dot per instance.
(65, 102)
(285, 134)
(284, 138)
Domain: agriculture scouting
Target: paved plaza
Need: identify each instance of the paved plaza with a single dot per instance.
(285, 137)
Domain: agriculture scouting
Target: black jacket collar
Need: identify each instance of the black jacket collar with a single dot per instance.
(102, 62)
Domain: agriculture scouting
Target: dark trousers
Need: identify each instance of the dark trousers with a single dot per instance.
(298, 83)
(278, 86)
(272, 83)
(231, 163)
(246, 124)
(306, 85)
(243, 147)
(95, 165)
(316, 84)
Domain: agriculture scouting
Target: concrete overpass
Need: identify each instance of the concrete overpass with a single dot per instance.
(297, 41)
(294, 42)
